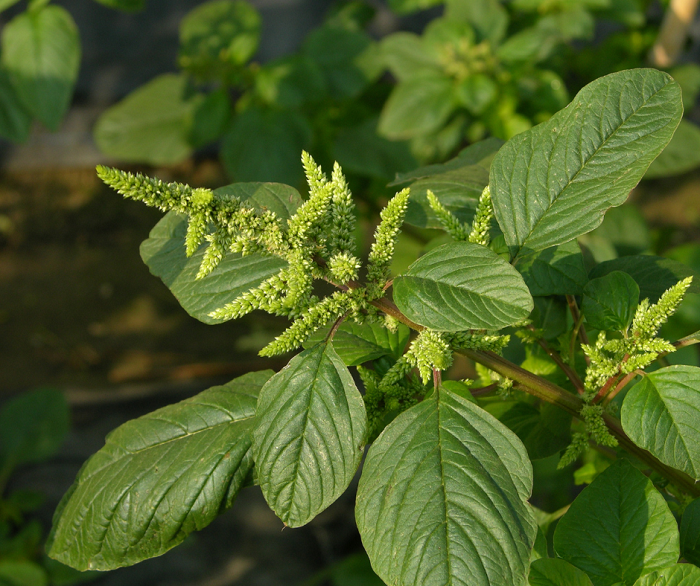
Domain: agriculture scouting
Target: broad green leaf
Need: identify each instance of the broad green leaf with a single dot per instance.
(555, 182)
(554, 572)
(681, 155)
(151, 125)
(405, 55)
(442, 498)
(554, 271)
(15, 121)
(661, 413)
(653, 274)
(544, 431)
(609, 302)
(618, 529)
(357, 343)
(488, 17)
(33, 426)
(678, 575)
(457, 189)
(22, 573)
(164, 253)
(159, 478)
(218, 36)
(310, 433)
(359, 149)
(264, 145)
(420, 105)
(532, 45)
(476, 93)
(479, 154)
(462, 286)
(690, 532)
(125, 5)
(41, 54)
(347, 59)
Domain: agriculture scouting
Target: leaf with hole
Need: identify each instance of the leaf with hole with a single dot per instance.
(159, 478)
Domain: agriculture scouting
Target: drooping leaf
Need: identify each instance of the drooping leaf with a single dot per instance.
(653, 274)
(217, 36)
(418, 106)
(442, 498)
(461, 286)
(33, 426)
(678, 575)
(681, 155)
(554, 271)
(41, 54)
(310, 433)
(554, 572)
(151, 125)
(164, 253)
(618, 529)
(264, 145)
(544, 431)
(15, 121)
(690, 532)
(357, 343)
(554, 182)
(158, 478)
(661, 413)
(609, 302)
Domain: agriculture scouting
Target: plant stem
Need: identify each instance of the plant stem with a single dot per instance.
(621, 385)
(570, 372)
(481, 391)
(578, 319)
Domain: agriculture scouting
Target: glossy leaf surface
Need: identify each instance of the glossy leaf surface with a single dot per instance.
(158, 478)
(618, 529)
(442, 498)
(661, 414)
(461, 286)
(555, 182)
(310, 434)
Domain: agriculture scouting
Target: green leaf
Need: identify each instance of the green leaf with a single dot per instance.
(618, 529)
(33, 426)
(681, 155)
(210, 115)
(406, 6)
(290, 82)
(544, 431)
(5, 4)
(661, 413)
(653, 274)
(151, 125)
(476, 93)
(688, 77)
(355, 570)
(690, 532)
(310, 433)
(15, 121)
(462, 286)
(358, 343)
(678, 575)
(553, 572)
(480, 154)
(264, 145)
(359, 149)
(532, 44)
(41, 53)
(626, 229)
(159, 478)
(125, 5)
(420, 105)
(405, 55)
(554, 271)
(443, 498)
(488, 17)
(164, 253)
(217, 37)
(555, 181)
(347, 59)
(609, 302)
(22, 573)
(279, 198)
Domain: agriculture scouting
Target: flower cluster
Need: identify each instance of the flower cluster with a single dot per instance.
(479, 232)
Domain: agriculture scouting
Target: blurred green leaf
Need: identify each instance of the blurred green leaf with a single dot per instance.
(355, 570)
(125, 5)
(15, 121)
(217, 37)
(210, 116)
(626, 229)
(406, 6)
(688, 77)
(681, 155)
(265, 145)
(152, 124)
(631, 13)
(33, 426)
(22, 573)
(41, 54)
(476, 92)
(5, 4)
(404, 54)
(488, 17)
(290, 82)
